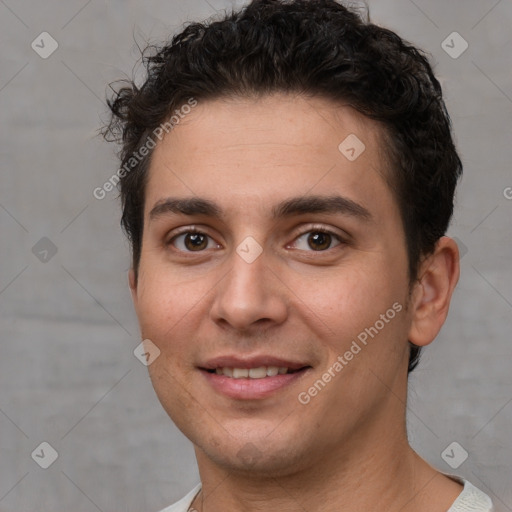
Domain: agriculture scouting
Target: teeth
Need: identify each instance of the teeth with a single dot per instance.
(273, 370)
(252, 373)
(258, 373)
(240, 373)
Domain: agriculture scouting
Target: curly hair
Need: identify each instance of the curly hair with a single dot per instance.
(318, 48)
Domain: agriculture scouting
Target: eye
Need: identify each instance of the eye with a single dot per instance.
(317, 240)
(193, 241)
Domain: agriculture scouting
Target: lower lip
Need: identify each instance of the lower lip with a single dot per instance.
(251, 389)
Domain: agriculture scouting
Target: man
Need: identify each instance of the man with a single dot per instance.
(287, 179)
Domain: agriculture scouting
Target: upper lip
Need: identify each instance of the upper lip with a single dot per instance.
(251, 362)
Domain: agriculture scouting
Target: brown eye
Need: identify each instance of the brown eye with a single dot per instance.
(192, 241)
(319, 241)
(195, 241)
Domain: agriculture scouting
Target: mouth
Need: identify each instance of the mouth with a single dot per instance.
(253, 379)
(260, 372)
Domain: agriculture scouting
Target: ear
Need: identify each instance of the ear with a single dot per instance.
(132, 279)
(433, 291)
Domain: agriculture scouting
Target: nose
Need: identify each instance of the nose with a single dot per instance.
(249, 296)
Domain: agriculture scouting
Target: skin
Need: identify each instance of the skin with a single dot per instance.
(346, 449)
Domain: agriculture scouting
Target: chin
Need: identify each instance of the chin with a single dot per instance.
(256, 456)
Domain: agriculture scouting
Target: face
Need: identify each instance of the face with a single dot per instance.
(273, 280)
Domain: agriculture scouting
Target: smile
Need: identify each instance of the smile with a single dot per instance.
(252, 383)
(252, 373)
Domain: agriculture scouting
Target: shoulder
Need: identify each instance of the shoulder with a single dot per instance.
(471, 499)
(184, 504)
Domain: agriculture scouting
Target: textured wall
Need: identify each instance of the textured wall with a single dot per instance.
(68, 375)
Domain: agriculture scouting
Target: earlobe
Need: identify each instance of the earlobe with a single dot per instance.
(432, 293)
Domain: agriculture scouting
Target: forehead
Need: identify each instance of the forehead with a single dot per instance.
(255, 151)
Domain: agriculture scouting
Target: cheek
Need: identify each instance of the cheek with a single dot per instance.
(349, 299)
(162, 305)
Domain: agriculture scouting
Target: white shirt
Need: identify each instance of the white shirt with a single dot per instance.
(471, 499)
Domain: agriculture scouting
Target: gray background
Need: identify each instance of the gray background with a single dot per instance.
(68, 375)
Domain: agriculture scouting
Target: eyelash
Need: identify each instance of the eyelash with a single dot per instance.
(321, 229)
(311, 229)
(187, 231)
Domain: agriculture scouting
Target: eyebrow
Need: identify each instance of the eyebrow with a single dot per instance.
(294, 206)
